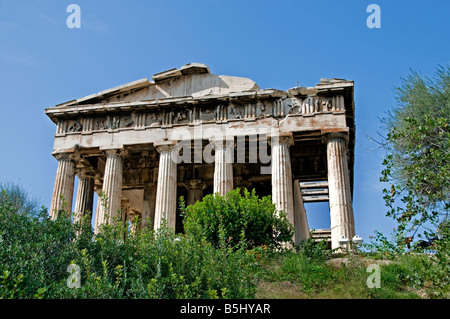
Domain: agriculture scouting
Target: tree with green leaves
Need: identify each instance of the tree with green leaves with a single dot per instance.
(417, 164)
(20, 198)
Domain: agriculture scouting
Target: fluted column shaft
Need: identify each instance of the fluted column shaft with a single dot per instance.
(63, 188)
(148, 206)
(223, 167)
(166, 191)
(282, 192)
(112, 189)
(340, 197)
(300, 218)
(97, 209)
(85, 195)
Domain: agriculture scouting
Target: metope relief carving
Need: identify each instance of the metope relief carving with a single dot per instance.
(181, 117)
(309, 105)
(75, 127)
(235, 111)
(207, 115)
(128, 121)
(154, 119)
(100, 123)
(263, 109)
(196, 114)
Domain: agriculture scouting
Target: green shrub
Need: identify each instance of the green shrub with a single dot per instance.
(314, 250)
(35, 253)
(242, 218)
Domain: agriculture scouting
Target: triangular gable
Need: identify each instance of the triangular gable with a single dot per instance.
(193, 79)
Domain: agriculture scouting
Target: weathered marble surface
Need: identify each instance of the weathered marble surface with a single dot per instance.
(145, 143)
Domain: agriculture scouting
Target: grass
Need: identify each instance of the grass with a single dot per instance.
(292, 275)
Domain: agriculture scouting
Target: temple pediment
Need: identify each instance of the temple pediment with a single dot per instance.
(191, 80)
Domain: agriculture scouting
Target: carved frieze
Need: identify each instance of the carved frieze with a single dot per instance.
(181, 116)
(140, 120)
(75, 126)
(154, 119)
(191, 114)
(128, 121)
(309, 105)
(100, 123)
(234, 111)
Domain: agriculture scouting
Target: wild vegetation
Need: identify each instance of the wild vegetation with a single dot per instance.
(41, 258)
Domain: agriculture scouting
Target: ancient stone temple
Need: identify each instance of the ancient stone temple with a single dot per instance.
(188, 132)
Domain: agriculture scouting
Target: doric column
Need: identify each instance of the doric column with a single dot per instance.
(166, 191)
(223, 167)
(63, 189)
(148, 205)
(195, 189)
(300, 218)
(97, 208)
(340, 197)
(282, 193)
(85, 194)
(112, 188)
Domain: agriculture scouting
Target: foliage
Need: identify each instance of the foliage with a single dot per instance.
(417, 163)
(35, 253)
(425, 194)
(119, 262)
(312, 274)
(417, 167)
(20, 198)
(32, 250)
(381, 245)
(312, 249)
(242, 218)
(440, 270)
(437, 268)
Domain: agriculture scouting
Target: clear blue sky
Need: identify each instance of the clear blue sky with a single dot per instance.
(275, 43)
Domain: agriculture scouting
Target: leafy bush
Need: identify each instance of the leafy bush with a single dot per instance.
(35, 253)
(242, 218)
(312, 249)
(381, 245)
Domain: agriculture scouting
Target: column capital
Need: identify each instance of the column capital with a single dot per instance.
(115, 151)
(165, 147)
(64, 156)
(222, 142)
(85, 172)
(287, 139)
(335, 135)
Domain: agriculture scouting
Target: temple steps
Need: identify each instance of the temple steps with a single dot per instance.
(322, 234)
(314, 192)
